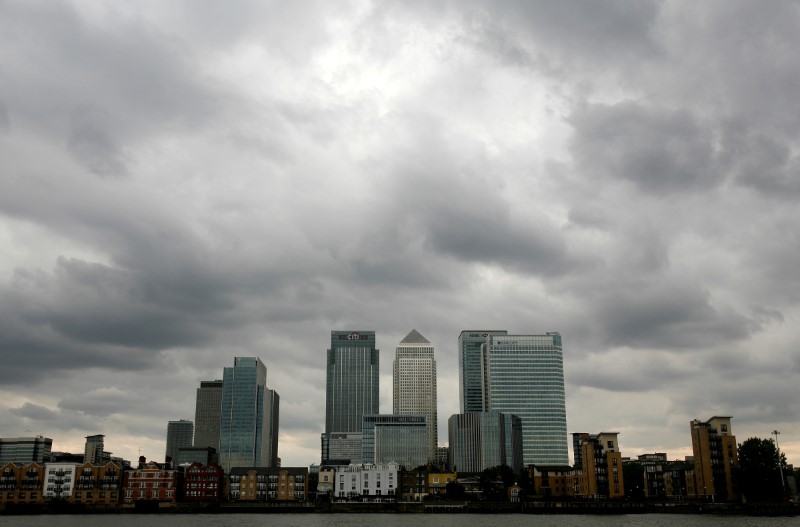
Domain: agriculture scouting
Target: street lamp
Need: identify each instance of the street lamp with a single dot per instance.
(780, 465)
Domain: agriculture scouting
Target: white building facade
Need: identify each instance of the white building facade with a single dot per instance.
(59, 480)
(414, 376)
(379, 482)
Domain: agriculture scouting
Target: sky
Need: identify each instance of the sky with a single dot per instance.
(185, 182)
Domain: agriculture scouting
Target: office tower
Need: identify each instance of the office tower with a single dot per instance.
(399, 438)
(93, 449)
(24, 450)
(414, 375)
(472, 380)
(351, 393)
(272, 407)
(179, 435)
(247, 417)
(715, 458)
(523, 375)
(600, 472)
(478, 441)
(207, 414)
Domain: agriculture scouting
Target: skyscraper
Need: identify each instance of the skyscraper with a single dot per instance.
(521, 375)
(93, 449)
(481, 440)
(414, 375)
(351, 392)
(248, 424)
(207, 414)
(179, 435)
(472, 381)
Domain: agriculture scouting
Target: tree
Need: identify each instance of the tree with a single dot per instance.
(759, 474)
(494, 482)
(454, 491)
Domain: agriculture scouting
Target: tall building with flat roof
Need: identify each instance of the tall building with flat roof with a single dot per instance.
(414, 383)
(179, 435)
(599, 474)
(351, 386)
(472, 380)
(245, 427)
(25, 450)
(93, 449)
(207, 414)
(478, 440)
(716, 457)
(526, 378)
(521, 375)
(399, 438)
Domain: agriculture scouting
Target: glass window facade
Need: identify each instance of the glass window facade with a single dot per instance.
(478, 440)
(526, 378)
(247, 408)
(395, 438)
(207, 414)
(472, 380)
(179, 435)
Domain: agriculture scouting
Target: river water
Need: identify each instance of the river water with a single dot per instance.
(393, 520)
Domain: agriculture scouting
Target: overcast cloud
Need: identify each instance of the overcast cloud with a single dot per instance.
(186, 182)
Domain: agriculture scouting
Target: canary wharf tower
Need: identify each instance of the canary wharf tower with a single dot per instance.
(522, 375)
(351, 393)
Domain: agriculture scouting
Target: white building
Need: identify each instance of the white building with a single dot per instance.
(415, 383)
(59, 480)
(367, 482)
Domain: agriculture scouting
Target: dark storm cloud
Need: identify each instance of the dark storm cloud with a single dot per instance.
(667, 314)
(556, 36)
(34, 412)
(4, 122)
(658, 150)
(458, 205)
(99, 89)
(288, 169)
(766, 164)
(92, 146)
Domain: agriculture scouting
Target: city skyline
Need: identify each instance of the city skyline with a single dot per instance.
(185, 184)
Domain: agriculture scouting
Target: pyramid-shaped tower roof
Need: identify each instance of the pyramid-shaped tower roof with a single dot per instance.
(414, 337)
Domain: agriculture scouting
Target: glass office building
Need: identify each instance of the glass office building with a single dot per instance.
(395, 438)
(481, 440)
(207, 414)
(249, 416)
(25, 450)
(526, 378)
(472, 382)
(351, 384)
(179, 435)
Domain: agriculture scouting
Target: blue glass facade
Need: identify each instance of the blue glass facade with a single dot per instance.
(247, 411)
(472, 380)
(351, 384)
(481, 440)
(526, 378)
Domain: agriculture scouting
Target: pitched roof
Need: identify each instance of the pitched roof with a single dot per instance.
(414, 338)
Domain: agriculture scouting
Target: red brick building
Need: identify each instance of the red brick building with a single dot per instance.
(152, 482)
(203, 483)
